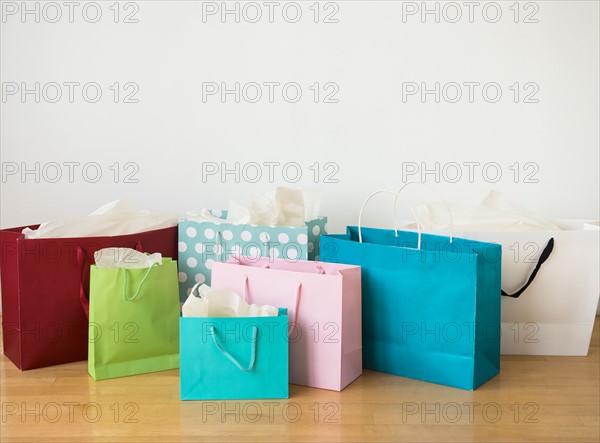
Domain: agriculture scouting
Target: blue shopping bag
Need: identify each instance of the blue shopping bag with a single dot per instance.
(431, 304)
(236, 358)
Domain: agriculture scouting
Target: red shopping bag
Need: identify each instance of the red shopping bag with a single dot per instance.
(44, 318)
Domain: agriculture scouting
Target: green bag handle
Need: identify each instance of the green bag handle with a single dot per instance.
(139, 288)
(213, 333)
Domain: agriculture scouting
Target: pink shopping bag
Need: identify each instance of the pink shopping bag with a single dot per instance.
(324, 308)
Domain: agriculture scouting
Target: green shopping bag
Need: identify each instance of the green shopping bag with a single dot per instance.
(134, 320)
(234, 358)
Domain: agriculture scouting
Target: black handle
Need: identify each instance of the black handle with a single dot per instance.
(543, 257)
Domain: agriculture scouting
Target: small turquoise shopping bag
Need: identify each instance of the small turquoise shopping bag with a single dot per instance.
(237, 358)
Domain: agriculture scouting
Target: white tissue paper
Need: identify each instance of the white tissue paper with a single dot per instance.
(219, 303)
(125, 258)
(118, 217)
(494, 214)
(284, 207)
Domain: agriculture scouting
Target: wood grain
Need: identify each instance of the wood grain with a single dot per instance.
(534, 399)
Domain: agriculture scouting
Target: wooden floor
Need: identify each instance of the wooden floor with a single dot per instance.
(534, 399)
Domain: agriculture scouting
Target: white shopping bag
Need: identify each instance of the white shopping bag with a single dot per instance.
(550, 272)
(555, 314)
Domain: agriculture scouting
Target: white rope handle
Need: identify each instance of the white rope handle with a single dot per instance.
(419, 225)
(219, 244)
(194, 290)
(397, 194)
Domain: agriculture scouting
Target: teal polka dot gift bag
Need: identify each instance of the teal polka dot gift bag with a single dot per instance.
(201, 243)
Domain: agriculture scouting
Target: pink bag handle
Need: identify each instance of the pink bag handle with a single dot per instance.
(296, 305)
(318, 267)
(246, 290)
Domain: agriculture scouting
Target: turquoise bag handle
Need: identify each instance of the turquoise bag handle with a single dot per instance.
(213, 333)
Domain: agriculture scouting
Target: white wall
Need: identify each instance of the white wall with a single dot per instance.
(373, 50)
(369, 54)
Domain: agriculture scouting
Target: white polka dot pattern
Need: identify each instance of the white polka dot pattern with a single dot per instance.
(191, 262)
(200, 244)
